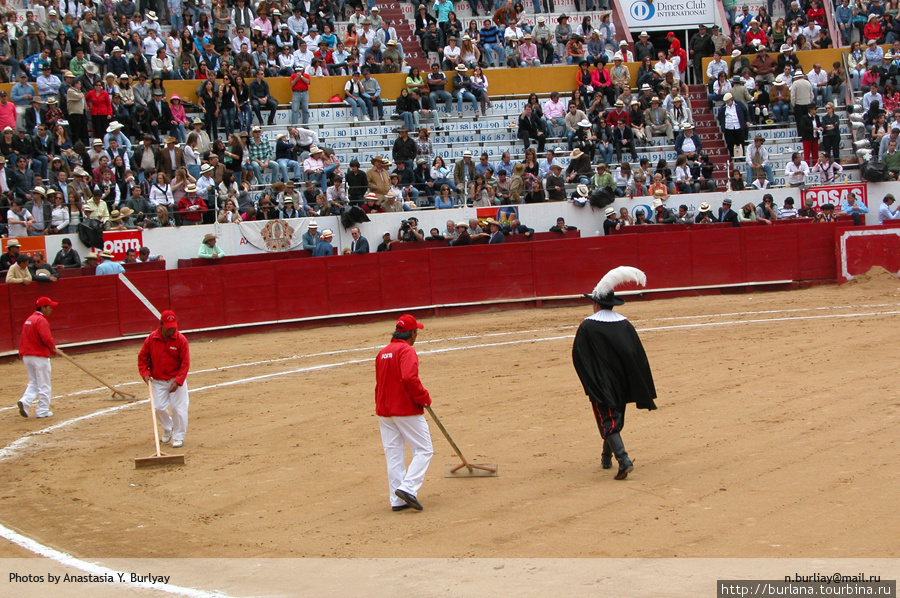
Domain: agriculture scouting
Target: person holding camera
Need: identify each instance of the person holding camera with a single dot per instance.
(410, 231)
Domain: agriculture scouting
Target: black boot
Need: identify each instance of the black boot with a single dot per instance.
(618, 448)
(606, 456)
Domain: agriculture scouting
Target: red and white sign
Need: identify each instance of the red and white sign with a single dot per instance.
(118, 242)
(835, 194)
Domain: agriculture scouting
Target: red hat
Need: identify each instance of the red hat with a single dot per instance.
(167, 319)
(670, 34)
(406, 322)
(45, 301)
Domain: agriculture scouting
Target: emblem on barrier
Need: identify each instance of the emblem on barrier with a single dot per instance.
(277, 235)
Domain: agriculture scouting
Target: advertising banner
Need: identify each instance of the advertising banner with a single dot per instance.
(835, 194)
(119, 242)
(674, 14)
(29, 246)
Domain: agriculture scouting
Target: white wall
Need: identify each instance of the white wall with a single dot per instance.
(184, 242)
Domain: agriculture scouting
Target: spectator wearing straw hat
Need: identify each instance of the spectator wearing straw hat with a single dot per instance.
(208, 248)
(107, 265)
(191, 207)
(324, 247)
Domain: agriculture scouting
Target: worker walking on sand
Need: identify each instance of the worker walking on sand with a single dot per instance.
(610, 361)
(400, 400)
(35, 348)
(164, 361)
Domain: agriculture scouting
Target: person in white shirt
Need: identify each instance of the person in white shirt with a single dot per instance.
(788, 211)
(818, 78)
(665, 65)
(152, 43)
(297, 24)
(872, 96)
(716, 66)
(796, 171)
(238, 40)
(303, 56)
(18, 220)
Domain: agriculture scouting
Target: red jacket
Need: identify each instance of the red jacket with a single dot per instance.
(191, 215)
(398, 390)
(36, 338)
(99, 102)
(165, 358)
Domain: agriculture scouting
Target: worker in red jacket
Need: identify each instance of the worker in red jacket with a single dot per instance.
(400, 399)
(164, 361)
(35, 348)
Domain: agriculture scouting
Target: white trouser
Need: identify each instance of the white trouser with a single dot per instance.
(395, 433)
(177, 402)
(38, 370)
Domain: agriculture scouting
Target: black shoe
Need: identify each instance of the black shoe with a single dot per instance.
(22, 411)
(625, 467)
(606, 455)
(409, 498)
(400, 508)
(618, 449)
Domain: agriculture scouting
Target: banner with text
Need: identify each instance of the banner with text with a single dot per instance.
(640, 14)
(835, 194)
(119, 242)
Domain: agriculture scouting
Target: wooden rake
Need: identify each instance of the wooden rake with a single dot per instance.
(466, 469)
(159, 458)
(117, 394)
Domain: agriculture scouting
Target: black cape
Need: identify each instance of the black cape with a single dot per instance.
(610, 361)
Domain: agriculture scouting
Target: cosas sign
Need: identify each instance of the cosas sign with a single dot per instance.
(835, 194)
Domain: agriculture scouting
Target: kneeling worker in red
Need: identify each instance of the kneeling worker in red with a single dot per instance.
(35, 348)
(164, 361)
(400, 400)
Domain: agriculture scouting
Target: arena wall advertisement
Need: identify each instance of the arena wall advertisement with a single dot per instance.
(640, 14)
(836, 194)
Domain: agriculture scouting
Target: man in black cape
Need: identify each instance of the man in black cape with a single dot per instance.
(610, 361)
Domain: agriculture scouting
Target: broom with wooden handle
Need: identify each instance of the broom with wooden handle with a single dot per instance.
(471, 469)
(116, 391)
(159, 458)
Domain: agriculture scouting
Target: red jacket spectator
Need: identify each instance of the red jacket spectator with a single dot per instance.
(7, 114)
(184, 208)
(817, 15)
(872, 30)
(99, 103)
(36, 338)
(614, 115)
(759, 34)
(165, 358)
(398, 390)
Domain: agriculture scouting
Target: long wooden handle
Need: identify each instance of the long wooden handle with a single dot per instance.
(92, 374)
(447, 436)
(153, 417)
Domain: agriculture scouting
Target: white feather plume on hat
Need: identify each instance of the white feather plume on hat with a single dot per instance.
(616, 277)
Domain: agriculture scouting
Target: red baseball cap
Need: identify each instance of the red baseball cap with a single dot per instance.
(670, 34)
(167, 319)
(406, 322)
(45, 301)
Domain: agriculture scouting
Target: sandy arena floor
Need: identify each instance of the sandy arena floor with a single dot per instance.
(775, 437)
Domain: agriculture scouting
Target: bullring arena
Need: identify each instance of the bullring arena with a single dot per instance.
(774, 440)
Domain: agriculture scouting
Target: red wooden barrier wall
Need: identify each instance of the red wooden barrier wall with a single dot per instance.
(94, 308)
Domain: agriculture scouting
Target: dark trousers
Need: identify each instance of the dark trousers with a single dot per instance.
(609, 420)
(634, 156)
(78, 128)
(100, 122)
(832, 145)
(733, 137)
